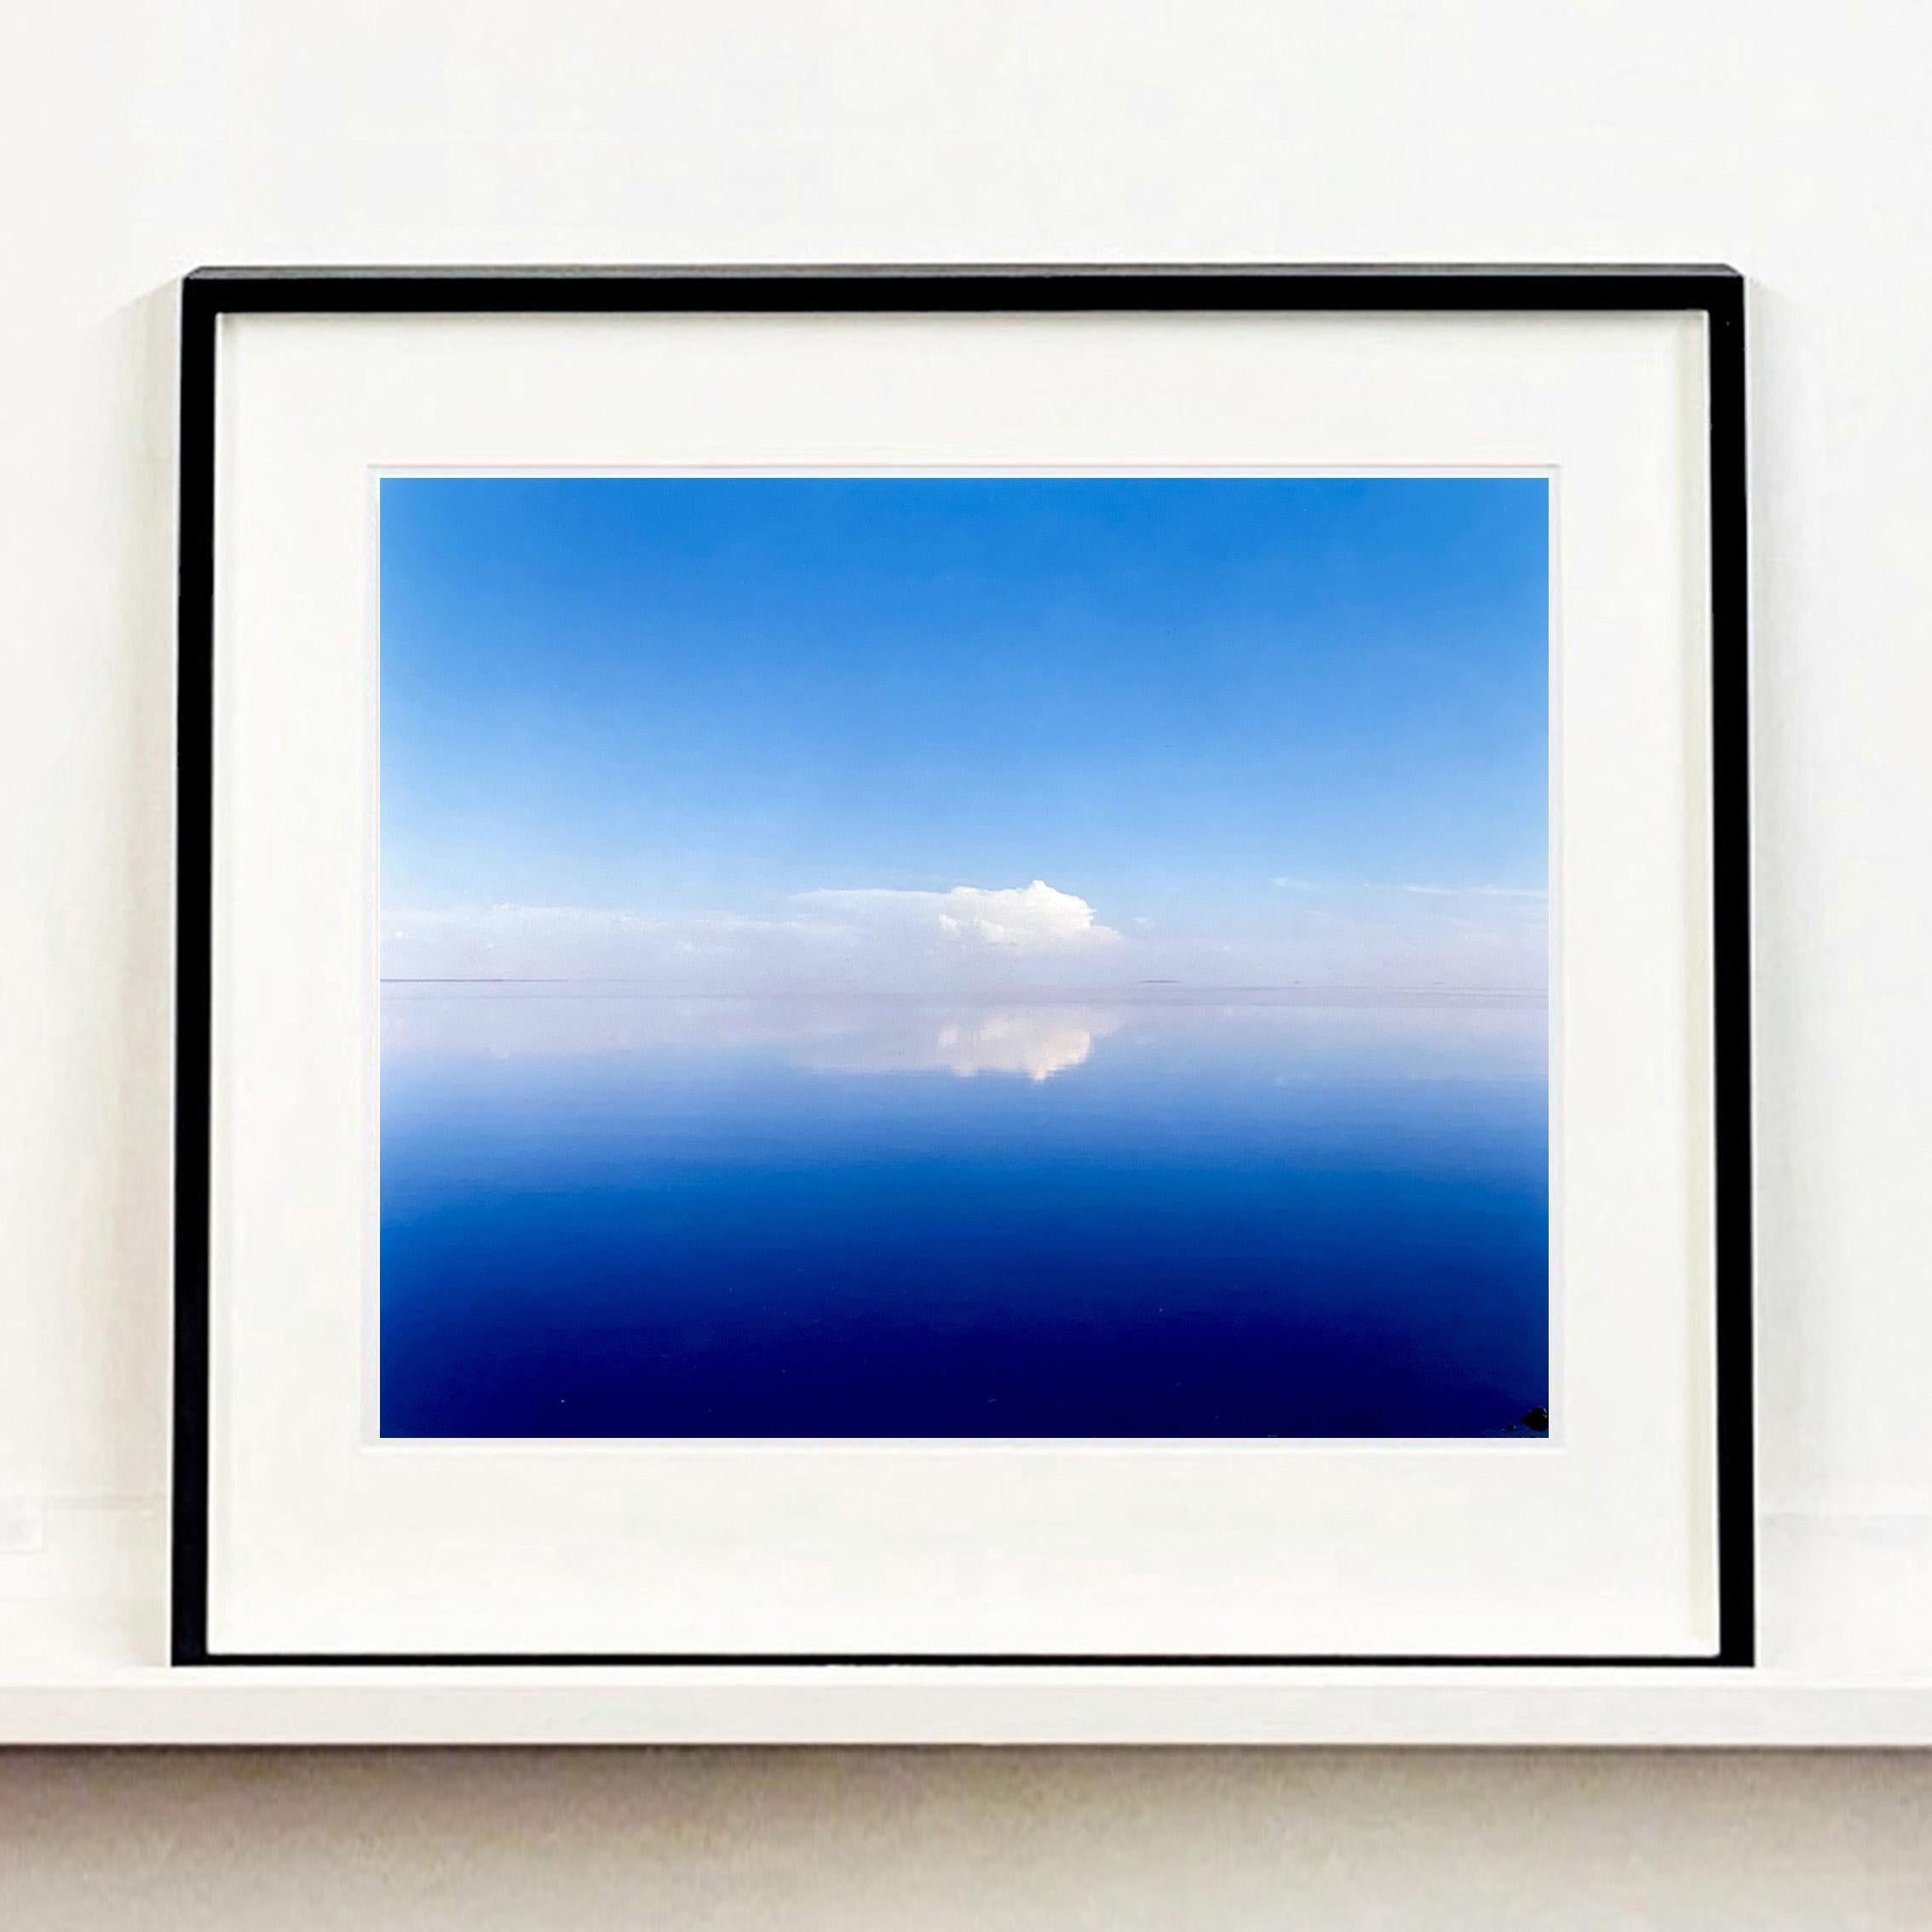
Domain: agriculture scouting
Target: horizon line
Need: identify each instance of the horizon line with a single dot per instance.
(1035, 995)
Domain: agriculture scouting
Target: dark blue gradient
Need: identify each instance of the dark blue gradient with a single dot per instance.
(614, 1217)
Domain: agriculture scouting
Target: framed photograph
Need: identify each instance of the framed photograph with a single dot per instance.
(984, 968)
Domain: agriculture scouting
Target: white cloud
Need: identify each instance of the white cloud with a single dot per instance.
(1033, 918)
(997, 945)
(863, 939)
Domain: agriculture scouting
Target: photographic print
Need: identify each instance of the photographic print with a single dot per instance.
(991, 956)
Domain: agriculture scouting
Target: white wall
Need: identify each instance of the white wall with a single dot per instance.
(137, 139)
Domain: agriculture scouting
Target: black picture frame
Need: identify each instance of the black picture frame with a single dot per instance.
(1715, 292)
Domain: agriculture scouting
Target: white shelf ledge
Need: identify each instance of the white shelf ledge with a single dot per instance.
(1847, 1642)
(879, 1706)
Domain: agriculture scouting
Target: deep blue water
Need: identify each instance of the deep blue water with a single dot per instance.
(605, 1215)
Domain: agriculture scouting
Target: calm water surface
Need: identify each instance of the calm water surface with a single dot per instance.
(1231, 1215)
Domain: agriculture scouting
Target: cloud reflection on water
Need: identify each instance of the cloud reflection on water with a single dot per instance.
(1286, 1034)
(1038, 1042)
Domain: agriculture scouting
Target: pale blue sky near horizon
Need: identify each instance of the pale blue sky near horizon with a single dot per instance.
(1207, 709)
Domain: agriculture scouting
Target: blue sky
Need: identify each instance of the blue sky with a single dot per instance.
(1248, 726)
